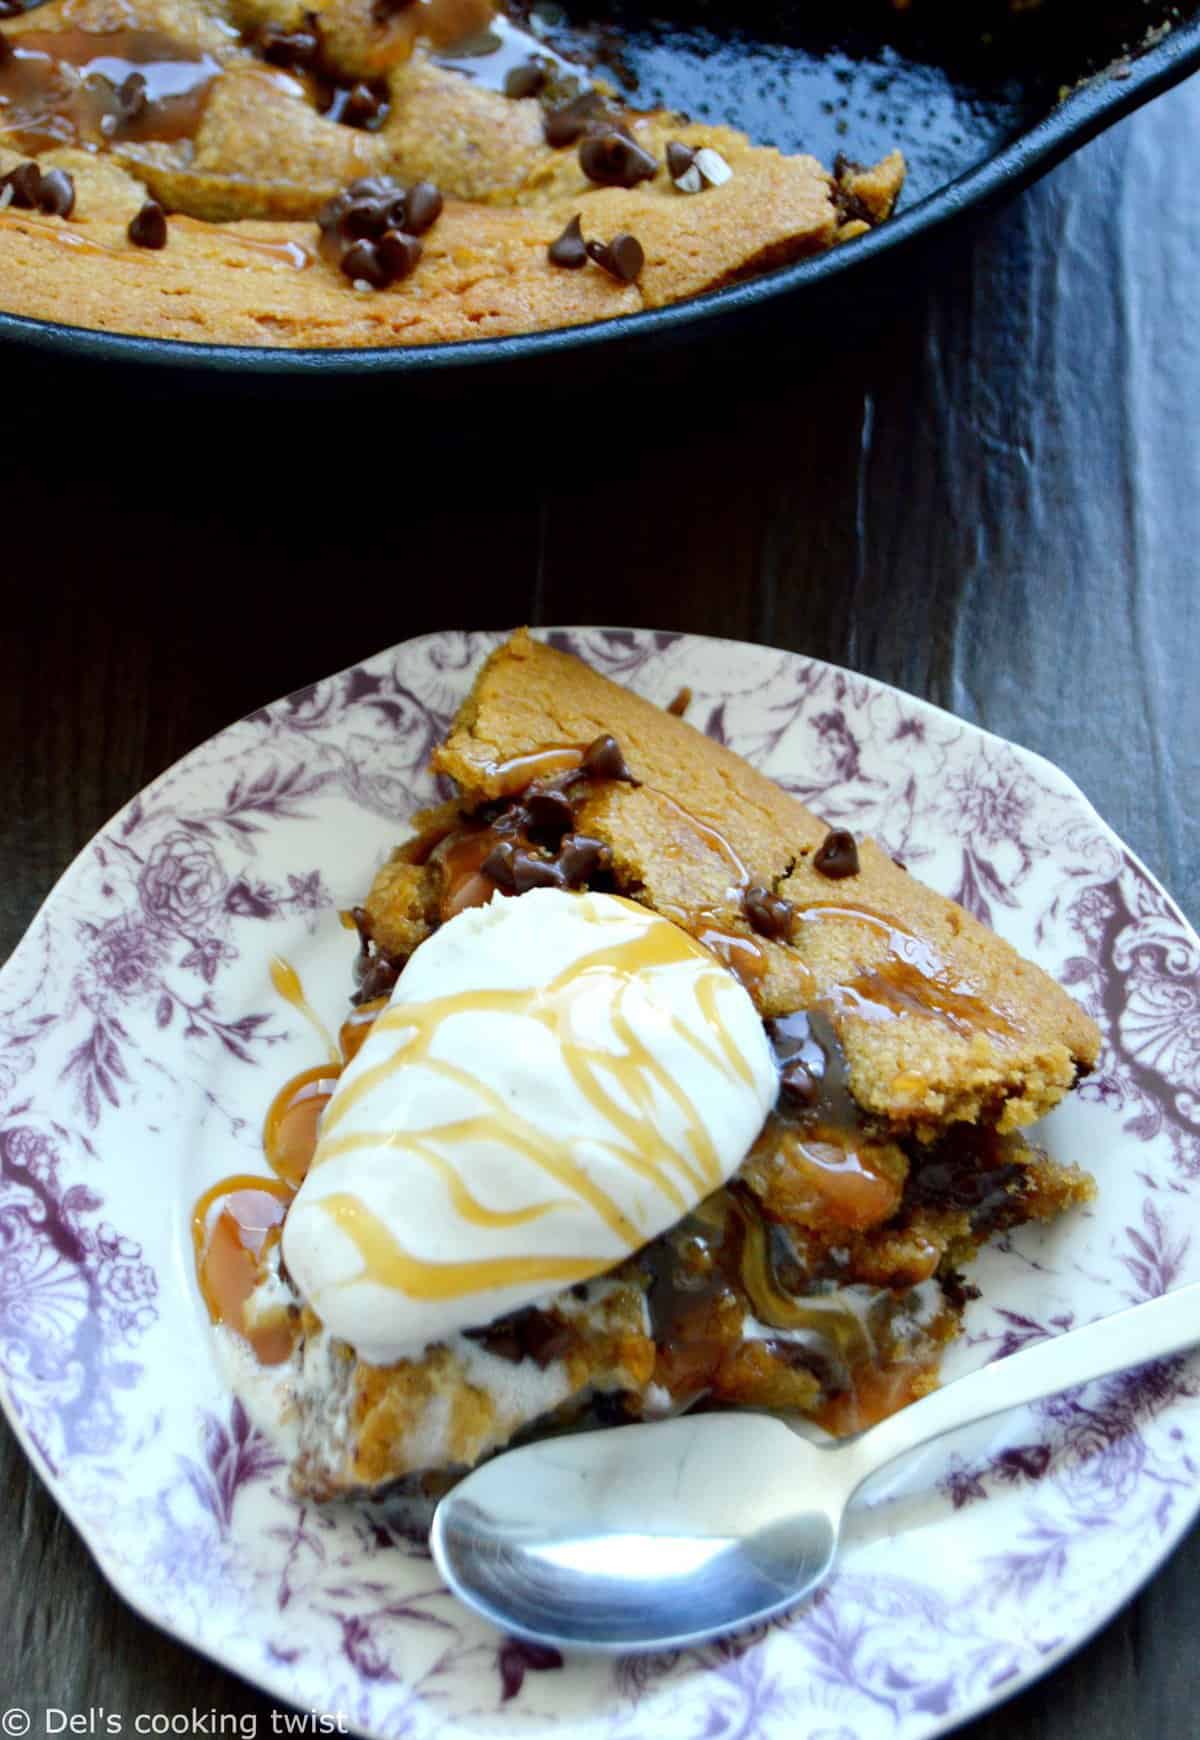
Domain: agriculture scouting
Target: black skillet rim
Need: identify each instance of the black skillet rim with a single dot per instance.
(1087, 111)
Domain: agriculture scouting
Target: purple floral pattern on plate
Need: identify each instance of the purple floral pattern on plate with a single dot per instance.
(141, 1040)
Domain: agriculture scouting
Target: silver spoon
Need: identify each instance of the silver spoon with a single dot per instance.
(663, 1536)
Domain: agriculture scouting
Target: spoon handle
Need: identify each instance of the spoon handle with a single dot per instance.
(1164, 1326)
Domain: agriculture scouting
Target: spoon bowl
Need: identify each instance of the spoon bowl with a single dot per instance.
(664, 1536)
(547, 1543)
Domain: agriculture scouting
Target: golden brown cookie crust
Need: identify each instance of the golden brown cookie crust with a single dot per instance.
(997, 1039)
(484, 273)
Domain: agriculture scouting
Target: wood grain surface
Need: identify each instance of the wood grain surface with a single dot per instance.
(985, 490)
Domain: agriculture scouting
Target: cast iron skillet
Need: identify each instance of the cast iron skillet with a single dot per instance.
(970, 90)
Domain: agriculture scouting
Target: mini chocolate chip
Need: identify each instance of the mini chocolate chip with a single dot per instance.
(376, 980)
(680, 158)
(366, 208)
(362, 107)
(133, 97)
(580, 857)
(530, 871)
(798, 1081)
(399, 254)
(499, 865)
(603, 760)
(56, 196)
(769, 914)
(837, 855)
(549, 811)
(528, 79)
(330, 216)
(500, 1339)
(362, 265)
(528, 1334)
(26, 183)
(510, 818)
(369, 218)
(399, 214)
(543, 1338)
(374, 187)
(566, 125)
(622, 258)
(612, 160)
(424, 207)
(569, 249)
(282, 47)
(149, 228)
(801, 1056)
(626, 258)
(681, 703)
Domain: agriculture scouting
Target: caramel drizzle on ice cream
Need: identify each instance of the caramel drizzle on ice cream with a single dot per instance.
(635, 1138)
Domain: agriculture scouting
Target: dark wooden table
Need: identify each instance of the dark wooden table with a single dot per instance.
(987, 492)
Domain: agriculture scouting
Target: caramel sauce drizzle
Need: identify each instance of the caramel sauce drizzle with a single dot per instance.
(293, 1119)
(745, 958)
(442, 22)
(294, 255)
(59, 87)
(229, 1246)
(64, 237)
(896, 988)
(831, 1316)
(716, 1266)
(286, 981)
(813, 1159)
(741, 953)
(833, 1175)
(635, 1144)
(488, 53)
(712, 838)
(61, 234)
(461, 856)
(706, 995)
(901, 941)
(388, 1263)
(353, 1032)
(913, 980)
(518, 771)
(468, 1207)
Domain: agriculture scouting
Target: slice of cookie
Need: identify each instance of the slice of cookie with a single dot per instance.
(941, 1020)
(824, 1279)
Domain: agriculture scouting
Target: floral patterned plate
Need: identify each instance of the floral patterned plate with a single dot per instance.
(141, 1040)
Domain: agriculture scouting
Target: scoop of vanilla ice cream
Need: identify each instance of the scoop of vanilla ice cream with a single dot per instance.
(556, 1079)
